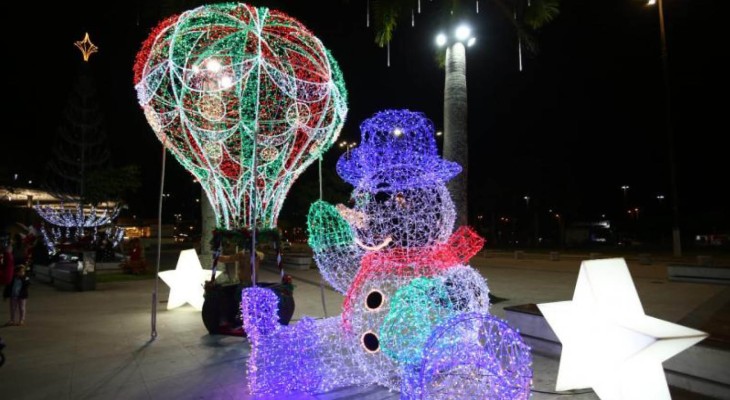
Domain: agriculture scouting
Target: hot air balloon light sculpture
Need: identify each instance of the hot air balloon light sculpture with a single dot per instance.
(245, 99)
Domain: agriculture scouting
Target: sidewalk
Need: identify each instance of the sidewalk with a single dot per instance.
(96, 345)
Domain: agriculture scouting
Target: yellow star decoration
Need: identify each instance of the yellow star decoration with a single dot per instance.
(87, 48)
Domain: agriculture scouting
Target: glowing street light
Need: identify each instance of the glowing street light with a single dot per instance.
(347, 146)
(676, 237)
(625, 188)
(462, 34)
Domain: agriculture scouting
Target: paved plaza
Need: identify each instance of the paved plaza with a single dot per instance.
(96, 344)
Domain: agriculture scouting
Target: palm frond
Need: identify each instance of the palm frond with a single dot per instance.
(385, 13)
(541, 12)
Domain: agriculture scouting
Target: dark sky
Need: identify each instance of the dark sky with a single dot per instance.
(584, 117)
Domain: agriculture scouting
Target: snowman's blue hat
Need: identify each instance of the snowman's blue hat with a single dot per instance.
(397, 151)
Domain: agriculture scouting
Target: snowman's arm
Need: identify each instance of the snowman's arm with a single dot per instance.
(333, 243)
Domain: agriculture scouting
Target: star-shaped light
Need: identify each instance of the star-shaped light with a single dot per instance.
(87, 48)
(186, 281)
(609, 344)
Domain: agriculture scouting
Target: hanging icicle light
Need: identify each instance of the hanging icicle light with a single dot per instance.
(78, 218)
(519, 43)
(367, 15)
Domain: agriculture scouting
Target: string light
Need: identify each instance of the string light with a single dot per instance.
(332, 240)
(405, 302)
(474, 356)
(76, 224)
(220, 82)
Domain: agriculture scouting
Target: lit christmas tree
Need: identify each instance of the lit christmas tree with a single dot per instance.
(81, 143)
(80, 149)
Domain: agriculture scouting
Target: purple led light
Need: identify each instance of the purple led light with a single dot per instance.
(474, 356)
(397, 151)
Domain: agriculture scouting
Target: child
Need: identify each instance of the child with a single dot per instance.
(17, 291)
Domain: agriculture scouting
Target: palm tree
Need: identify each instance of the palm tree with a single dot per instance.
(526, 19)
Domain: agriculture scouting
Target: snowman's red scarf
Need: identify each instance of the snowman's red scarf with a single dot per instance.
(405, 263)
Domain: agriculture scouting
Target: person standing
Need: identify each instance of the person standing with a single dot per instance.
(17, 291)
(7, 265)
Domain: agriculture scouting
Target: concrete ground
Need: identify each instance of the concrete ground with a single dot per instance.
(96, 344)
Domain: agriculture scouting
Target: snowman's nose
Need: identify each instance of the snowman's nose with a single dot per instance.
(353, 217)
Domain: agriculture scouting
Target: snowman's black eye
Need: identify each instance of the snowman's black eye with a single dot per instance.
(382, 197)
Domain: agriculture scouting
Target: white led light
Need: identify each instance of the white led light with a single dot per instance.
(186, 281)
(213, 65)
(462, 32)
(609, 344)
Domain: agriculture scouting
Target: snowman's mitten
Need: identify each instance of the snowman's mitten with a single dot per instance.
(333, 242)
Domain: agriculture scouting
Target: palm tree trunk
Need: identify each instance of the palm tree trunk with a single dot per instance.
(456, 147)
(208, 223)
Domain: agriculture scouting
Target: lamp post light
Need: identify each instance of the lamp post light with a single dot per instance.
(347, 146)
(455, 113)
(625, 188)
(676, 238)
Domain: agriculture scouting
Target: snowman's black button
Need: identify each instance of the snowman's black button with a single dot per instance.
(371, 342)
(374, 300)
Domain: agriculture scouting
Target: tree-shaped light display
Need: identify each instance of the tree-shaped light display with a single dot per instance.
(415, 316)
(245, 98)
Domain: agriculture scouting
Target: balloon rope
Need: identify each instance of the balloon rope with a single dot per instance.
(153, 322)
(321, 280)
(320, 177)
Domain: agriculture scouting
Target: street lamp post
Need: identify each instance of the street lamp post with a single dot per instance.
(347, 146)
(456, 146)
(676, 238)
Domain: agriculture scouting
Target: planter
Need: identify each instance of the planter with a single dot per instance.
(296, 261)
(222, 307)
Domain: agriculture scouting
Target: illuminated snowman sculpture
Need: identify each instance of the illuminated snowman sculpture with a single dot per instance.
(415, 315)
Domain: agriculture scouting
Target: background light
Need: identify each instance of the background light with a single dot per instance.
(471, 41)
(440, 39)
(463, 32)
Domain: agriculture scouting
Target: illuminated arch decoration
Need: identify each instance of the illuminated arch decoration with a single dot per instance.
(245, 98)
(405, 278)
(74, 224)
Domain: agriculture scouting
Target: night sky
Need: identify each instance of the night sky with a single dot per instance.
(584, 117)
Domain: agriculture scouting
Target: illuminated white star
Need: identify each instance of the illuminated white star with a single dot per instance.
(186, 281)
(609, 344)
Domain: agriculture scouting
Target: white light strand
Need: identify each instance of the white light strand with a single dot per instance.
(401, 300)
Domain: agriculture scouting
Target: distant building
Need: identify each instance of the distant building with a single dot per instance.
(589, 233)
